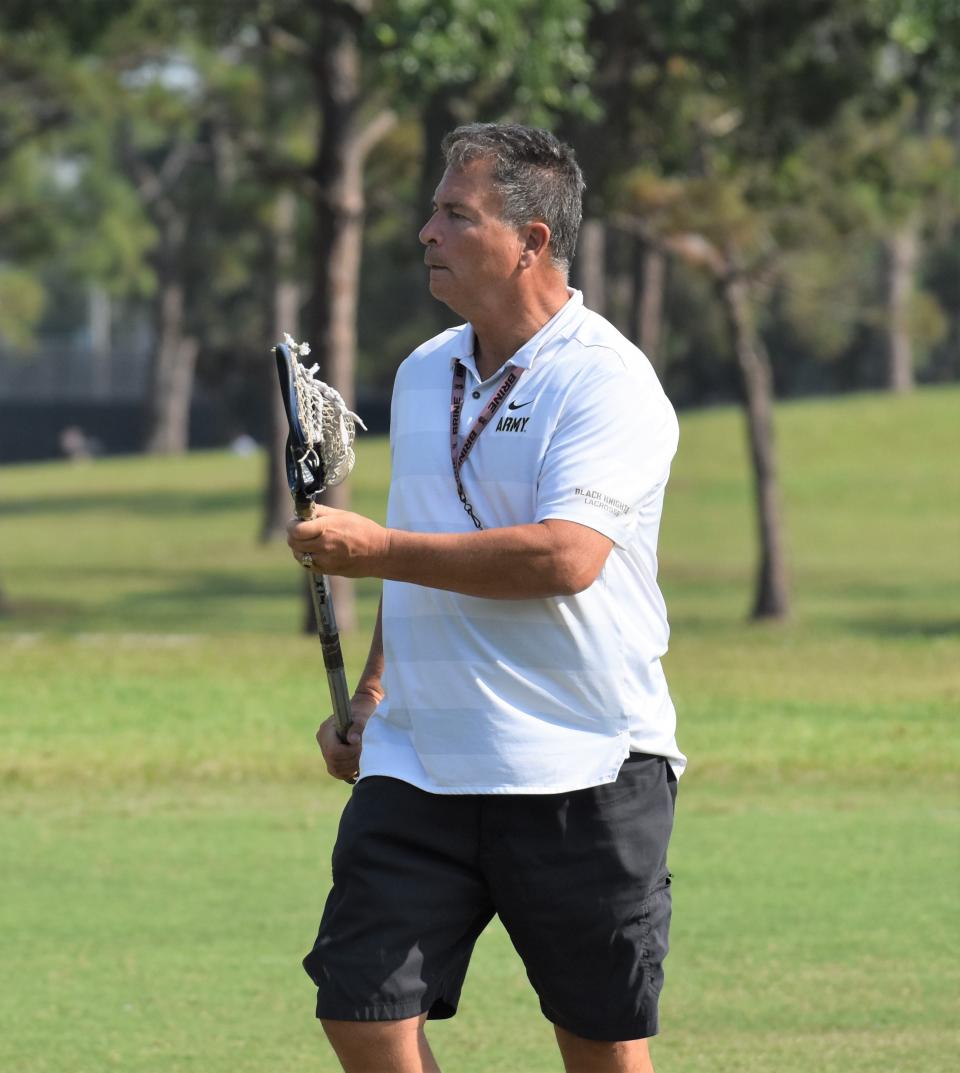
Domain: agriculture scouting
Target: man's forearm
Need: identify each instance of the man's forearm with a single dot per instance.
(516, 562)
(372, 676)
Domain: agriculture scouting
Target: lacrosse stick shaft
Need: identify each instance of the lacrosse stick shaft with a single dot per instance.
(329, 639)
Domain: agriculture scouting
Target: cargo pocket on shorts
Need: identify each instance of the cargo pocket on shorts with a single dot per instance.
(654, 919)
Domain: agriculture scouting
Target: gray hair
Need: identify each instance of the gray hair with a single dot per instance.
(536, 174)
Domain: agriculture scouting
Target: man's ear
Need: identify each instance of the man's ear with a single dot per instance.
(536, 243)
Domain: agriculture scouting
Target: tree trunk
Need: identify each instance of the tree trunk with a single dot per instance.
(98, 325)
(591, 265)
(620, 283)
(772, 598)
(903, 251)
(436, 119)
(283, 315)
(170, 383)
(650, 274)
(339, 207)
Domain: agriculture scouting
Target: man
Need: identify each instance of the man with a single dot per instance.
(512, 729)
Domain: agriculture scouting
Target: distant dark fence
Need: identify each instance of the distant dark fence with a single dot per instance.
(33, 431)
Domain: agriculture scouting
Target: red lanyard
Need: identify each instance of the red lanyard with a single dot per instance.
(458, 453)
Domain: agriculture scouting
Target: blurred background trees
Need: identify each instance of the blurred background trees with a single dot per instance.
(773, 204)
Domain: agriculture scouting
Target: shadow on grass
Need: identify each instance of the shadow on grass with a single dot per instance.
(897, 629)
(148, 502)
(22, 615)
(187, 601)
(209, 585)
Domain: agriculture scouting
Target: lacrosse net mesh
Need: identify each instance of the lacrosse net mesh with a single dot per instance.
(329, 426)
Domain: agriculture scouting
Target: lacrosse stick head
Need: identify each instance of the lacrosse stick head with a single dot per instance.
(319, 451)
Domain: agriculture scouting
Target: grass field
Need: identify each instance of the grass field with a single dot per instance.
(167, 828)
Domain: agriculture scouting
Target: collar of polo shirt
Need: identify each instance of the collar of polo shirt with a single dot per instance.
(565, 317)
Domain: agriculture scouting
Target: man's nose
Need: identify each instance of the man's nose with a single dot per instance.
(428, 234)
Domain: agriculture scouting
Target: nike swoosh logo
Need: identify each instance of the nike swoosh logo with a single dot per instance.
(517, 405)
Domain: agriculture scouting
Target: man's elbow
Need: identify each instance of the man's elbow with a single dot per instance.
(576, 573)
(577, 556)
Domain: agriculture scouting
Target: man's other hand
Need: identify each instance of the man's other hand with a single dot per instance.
(343, 758)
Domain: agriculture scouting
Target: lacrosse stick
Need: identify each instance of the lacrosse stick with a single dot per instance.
(319, 455)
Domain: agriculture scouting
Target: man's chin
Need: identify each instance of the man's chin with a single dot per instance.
(443, 293)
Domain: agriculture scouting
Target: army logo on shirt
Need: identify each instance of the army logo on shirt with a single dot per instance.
(512, 424)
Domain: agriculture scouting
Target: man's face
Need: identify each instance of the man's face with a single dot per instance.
(473, 255)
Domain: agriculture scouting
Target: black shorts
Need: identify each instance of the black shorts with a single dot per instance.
(579, 880)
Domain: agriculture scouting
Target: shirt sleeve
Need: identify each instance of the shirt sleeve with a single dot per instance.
(609, 456)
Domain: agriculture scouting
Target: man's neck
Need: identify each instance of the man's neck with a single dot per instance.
(500, 335)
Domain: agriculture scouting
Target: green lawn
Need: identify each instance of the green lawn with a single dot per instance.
(167, 827)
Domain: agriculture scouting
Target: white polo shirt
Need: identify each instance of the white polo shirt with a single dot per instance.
(531, 695)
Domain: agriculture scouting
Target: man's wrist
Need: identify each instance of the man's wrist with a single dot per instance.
(383, 558)
(371, 690)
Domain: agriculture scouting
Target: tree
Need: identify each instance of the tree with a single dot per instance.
(327, 40)
(283, 297)
(715, 101)
(45, 173)
(56, 199)
(171, 106)
(917, 165)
